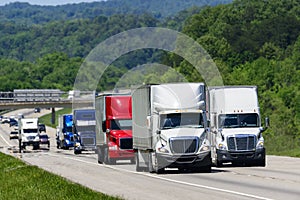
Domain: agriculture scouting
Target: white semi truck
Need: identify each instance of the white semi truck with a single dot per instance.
(29, 132)
(170, 127)
(236, 128)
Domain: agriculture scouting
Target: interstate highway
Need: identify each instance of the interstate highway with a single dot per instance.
(280, 179)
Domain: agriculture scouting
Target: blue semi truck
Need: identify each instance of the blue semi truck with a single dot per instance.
(64, 133)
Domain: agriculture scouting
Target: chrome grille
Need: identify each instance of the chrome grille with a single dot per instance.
(126, 143)
(87, 141)
(184, 145)
(241, 142)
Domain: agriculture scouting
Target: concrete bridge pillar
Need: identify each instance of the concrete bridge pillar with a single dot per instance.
(53, 115)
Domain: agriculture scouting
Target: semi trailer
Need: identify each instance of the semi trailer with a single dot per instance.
(236, 127)
(170, 127)
(114, 128)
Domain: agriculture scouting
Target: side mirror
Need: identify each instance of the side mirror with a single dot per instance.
(158, 132)
(267, 122)
(103, 126)
(148, 122)
(208, 123)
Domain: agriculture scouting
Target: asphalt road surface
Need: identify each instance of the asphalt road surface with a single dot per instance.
(280, 179)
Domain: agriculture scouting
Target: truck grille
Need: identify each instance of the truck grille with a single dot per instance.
(30, 138)
(126, 143)
(88, 141)
(184, 145)
(241, 142)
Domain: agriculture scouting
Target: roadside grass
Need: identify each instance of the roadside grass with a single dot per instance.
(20, 181)
(46, 119)
(282, 145)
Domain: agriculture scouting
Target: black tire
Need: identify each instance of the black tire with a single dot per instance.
(262, 162)
(150, 166)
(100, 153)
(137, 163)
(157, 168)
(219, 163)
(132, 161)
(206, 169)
(77, 152)
(107, 159)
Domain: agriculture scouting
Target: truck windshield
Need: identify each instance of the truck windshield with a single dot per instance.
(30, 130)
(68, 129)
(181, 120)
(121, 124)
(238, 120)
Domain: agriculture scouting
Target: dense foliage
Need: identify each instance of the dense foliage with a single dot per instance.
(252, 42)
(258, 43)
(34, 14)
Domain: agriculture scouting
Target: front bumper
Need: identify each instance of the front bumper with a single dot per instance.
(245, 156)
(121, 154)
(85, 148)
(185, 161)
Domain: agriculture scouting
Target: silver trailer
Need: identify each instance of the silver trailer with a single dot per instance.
(170, 127)
(235, 122)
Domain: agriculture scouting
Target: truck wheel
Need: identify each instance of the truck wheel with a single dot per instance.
(132, 160)
(137, 163)
(61, 146)
(218, 163)
(155, 168)
(206, 169)
(100, 153)
(262, 162)
(150, 165)
(77, 151)
(107, 159)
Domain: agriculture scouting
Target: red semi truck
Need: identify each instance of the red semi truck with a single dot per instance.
(114, 128)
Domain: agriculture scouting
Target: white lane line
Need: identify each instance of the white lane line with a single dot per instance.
(175, 181)
(5, 140)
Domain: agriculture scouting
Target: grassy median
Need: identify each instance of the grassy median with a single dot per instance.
(21, 181)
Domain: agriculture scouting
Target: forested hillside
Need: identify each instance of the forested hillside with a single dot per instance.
(257, 43)
(252, 42)
(34, 14)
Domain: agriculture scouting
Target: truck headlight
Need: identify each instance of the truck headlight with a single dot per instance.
(113, 148)
(260, 144)
(222, 146)
(205, 145)
(77, 144)
(204, 148)
(163, 149)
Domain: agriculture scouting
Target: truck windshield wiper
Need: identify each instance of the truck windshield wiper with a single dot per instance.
(231, 126)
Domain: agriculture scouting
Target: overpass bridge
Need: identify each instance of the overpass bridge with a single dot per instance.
(44, 98)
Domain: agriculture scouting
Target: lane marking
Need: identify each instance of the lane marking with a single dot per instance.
(175, 181)
(5, 140)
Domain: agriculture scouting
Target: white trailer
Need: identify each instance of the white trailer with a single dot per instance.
(169, 127)
(29, 132)
(236, 128)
